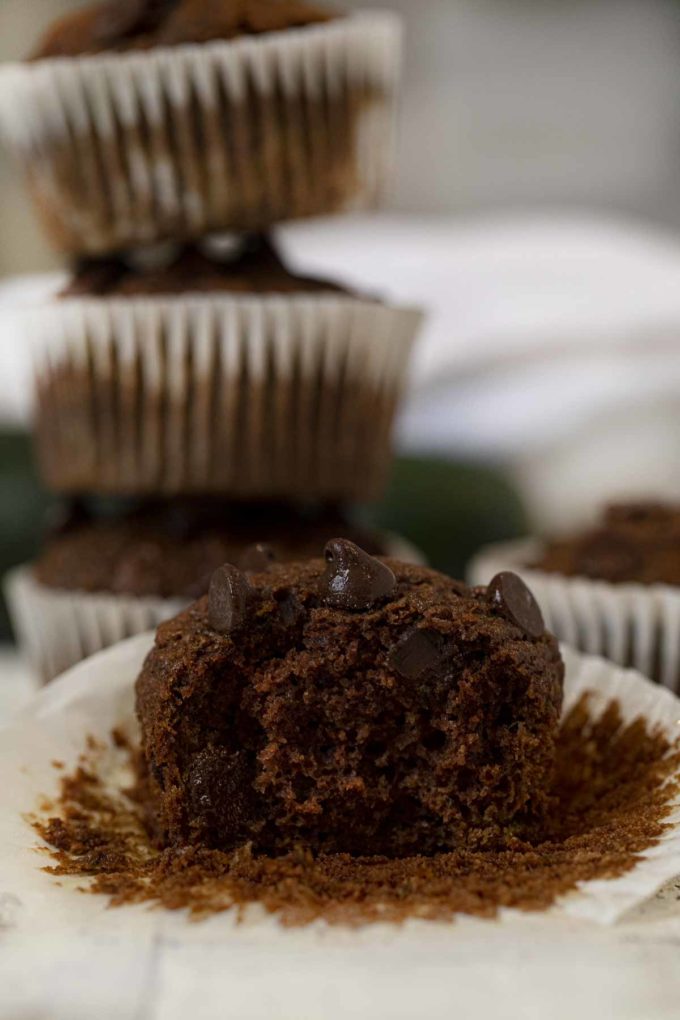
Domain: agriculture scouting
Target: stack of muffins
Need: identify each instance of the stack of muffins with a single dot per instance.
(198, 401)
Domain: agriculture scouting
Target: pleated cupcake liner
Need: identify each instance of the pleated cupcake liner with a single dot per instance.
(263, 397)
(633, 625)
(57, 628)
(127, 149)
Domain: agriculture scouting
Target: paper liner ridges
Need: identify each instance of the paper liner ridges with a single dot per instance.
(127, 149)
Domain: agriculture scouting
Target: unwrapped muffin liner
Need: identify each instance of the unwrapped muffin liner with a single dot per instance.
(252, 397)
(127, 149)
(98, 696)
(57, 628)
(634, 625)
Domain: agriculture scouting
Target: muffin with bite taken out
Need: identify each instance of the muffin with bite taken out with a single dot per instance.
(353, 704)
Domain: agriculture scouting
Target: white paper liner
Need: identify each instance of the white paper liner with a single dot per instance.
(634, 625)
(269, 396)
(57, 629)
(98, 695)
(126, 149)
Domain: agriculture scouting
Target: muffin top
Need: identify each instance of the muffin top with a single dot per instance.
(637, 543)
(120, 25)
(170, 549)
(253, 267)
(351, 704)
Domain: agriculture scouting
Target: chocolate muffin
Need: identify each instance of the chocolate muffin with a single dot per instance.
(635, 543)
(227, 374)
(170, 549)
(140, 121)
(352, 705)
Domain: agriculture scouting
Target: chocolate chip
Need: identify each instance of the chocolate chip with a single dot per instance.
(417, 653)
(353, 579)
(220, 789)
(509, 593)
(229, 599)
(257, 558)
(120, 18)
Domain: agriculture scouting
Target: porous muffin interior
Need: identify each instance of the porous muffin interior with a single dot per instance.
(121, 25)
(424, 722)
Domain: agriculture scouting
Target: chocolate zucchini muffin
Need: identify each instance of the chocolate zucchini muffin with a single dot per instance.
(206, 373)
(635, 543)
(350, 705)
(211, 115)
(170, 549)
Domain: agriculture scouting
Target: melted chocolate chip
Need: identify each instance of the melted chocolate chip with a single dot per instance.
(121, 18)
(220, 789)
(353, 579)
(229, 599)
(417, 653)
(510, 595)
(257, 558)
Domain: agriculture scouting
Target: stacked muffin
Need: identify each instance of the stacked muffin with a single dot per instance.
(224, 406)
